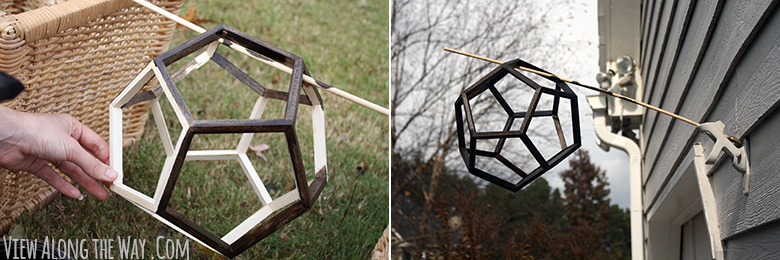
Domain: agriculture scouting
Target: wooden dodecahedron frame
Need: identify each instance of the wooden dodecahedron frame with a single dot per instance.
(469, 151)
(262, 223)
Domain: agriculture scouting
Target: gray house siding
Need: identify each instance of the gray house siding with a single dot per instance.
(755, 245)
(716, 61)
(749, 104)
(656, 129)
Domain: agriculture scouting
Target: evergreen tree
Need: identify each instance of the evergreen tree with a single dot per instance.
(474, 220)
(589, 217)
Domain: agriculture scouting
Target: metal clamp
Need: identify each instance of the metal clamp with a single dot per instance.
(708, 202)
(722, 143)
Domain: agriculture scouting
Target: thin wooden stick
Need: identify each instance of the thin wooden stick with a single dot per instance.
(581, 85)
(272, 63)
(694, 123)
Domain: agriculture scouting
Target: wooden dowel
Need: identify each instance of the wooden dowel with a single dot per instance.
(581, 85)
(272, 63)
(310, 80)
(171, 16)
(542, 73)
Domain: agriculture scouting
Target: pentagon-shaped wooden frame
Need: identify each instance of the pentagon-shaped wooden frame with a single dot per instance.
(487, 83)
(251, 230)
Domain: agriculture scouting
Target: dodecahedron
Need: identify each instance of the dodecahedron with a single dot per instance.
(468, 147)
(263, 222)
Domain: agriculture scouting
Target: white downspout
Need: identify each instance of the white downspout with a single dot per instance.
(635, 171)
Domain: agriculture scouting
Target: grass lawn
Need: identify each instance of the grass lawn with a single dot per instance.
(343, 43)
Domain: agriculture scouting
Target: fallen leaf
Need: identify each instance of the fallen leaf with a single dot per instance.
(192, 16)
(276, 78)
(283, 236)
(259, 150)
(361, 167)
(318, 210)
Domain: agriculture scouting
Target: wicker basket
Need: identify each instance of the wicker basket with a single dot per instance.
(382, 249)
(74, 57)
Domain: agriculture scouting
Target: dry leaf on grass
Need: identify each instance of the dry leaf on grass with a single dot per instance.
(318, 210)
(361, 167)
(259, 150)
(192, 16)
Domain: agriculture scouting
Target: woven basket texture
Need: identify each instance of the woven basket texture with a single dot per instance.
(382, 248)
(74, 57)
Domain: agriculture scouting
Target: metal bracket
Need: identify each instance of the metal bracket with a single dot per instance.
(708, 201)
(722, 143)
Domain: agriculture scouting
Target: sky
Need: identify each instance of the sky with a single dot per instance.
(584, 26)
(580, 30)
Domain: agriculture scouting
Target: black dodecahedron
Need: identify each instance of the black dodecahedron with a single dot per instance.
(468, 145)
(275, 213)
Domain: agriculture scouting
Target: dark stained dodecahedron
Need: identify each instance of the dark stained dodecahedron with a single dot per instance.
(466, 125)
(299, 92)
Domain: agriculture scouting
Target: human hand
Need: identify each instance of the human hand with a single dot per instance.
(29, 140)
